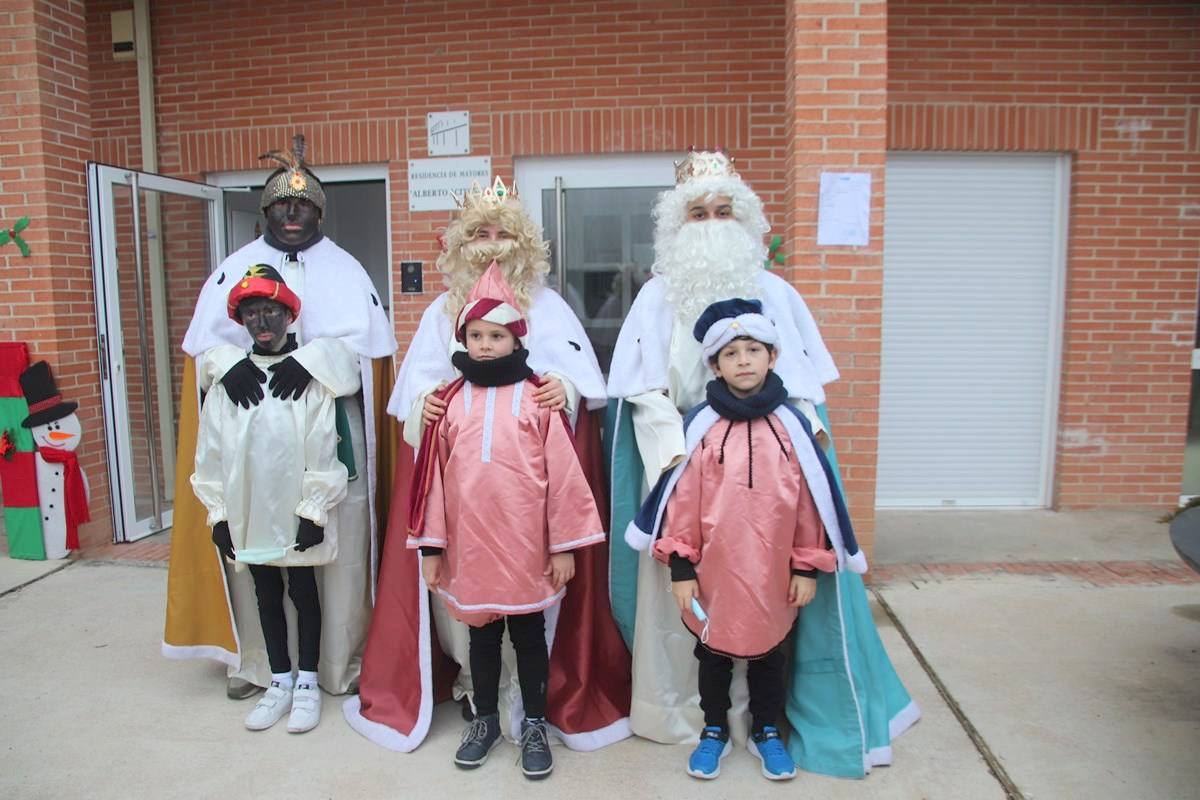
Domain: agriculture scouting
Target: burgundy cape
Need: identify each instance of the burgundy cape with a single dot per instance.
(404, 669)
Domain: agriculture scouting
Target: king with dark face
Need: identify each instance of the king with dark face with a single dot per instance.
(293, 221)
(293, 200)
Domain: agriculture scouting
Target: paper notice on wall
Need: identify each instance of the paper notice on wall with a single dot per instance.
(844, 213)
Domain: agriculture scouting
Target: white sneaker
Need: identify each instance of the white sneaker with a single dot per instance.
(306, 708)
(270, 708)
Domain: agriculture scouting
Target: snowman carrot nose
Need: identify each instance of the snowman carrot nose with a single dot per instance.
(59, 436)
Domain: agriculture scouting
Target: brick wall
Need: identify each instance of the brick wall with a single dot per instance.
(538, 79)
(837, 122)
(45, 138)
(791, 88)
(1117, 85)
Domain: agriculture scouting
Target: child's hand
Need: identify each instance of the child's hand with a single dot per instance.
(560, 569)
(801, 591)
(551, 395)
(684, 591)
(434, 407)
(431, 571)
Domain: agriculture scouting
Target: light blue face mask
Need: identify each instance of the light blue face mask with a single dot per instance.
(261, 555)
(700, 615)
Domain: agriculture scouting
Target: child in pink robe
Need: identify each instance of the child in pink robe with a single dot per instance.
(502, 501)
(743, 536)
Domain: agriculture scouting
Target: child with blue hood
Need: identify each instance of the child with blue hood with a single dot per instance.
(753, 526)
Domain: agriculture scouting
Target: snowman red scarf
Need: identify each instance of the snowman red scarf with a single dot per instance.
(75, 495)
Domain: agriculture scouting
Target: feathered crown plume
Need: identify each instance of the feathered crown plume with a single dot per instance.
(294, 180)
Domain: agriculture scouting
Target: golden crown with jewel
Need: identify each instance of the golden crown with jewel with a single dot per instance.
(704, 164)
(486, 197)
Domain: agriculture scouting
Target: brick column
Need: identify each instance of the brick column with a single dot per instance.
(46, 300)
(836, 121)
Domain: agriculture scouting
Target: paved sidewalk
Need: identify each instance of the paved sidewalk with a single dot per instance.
(1069, 643)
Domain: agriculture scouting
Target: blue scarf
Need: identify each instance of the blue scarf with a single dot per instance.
(741, 409)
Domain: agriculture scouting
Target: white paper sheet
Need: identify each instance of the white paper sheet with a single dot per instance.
(844, 214)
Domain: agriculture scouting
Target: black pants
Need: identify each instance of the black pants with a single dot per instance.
(765, 676)
(302, 588)
(528, 635)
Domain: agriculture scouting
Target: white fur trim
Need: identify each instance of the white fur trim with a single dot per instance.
(177, 652)
(905, 718)
(381, 734)
(637, 538)
(593, 740)
(857, 562)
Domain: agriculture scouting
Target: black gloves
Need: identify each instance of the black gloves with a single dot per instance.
(223, 540)
(243, 381)
(310, 534)
(290, 377)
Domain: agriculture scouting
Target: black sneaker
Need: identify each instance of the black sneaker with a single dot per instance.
(536, 761)
(481, 736)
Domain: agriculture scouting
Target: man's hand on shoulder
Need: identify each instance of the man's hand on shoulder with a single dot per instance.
(243, 383)
(289, 377)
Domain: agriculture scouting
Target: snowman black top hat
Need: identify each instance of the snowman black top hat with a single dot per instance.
(41, 393)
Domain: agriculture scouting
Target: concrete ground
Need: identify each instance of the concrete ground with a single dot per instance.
(1076, 671)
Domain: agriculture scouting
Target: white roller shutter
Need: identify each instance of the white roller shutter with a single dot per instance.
(974, 259)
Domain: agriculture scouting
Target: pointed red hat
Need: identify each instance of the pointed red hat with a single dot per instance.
(491, 300)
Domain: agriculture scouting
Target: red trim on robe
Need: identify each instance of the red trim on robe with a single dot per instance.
(74, 493)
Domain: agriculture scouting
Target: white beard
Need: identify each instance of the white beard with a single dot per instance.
(706, 262)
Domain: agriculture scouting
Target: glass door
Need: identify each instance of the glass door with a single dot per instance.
(595, 211)
(141, 223)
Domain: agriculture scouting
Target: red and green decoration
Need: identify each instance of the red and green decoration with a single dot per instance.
(13, 235)
(773, 255)
(18, 472)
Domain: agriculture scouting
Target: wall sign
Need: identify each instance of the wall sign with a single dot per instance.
(449, 133)
(431, 180)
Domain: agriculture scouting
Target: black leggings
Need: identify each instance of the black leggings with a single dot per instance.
(302, 588)
(764, 675)
(528, 635)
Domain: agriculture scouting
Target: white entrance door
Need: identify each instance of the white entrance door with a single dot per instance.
(154, 242)
(974, 264)
(595, 211)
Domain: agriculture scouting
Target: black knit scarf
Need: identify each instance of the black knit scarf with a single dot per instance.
(739, 409)
(496, 372)
(292, 250)
(288, 346)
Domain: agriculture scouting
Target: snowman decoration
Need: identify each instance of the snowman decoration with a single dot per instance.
(62, 486)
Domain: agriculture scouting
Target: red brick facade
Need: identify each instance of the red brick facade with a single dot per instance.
(1116, 85)
(791, 87)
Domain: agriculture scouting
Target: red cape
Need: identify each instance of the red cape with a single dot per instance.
(404, 669)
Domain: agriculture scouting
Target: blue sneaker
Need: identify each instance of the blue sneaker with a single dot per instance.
(768, 748)
(705, 761)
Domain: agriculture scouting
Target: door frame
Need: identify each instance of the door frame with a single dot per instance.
(1052, 372)
(102, 180)
(533, 174)
(243, 179)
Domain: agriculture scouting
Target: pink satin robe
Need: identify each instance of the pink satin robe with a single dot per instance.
(508, 492)
(743, 514)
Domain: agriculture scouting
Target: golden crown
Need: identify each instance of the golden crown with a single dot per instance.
(704, 164)
(486, 197)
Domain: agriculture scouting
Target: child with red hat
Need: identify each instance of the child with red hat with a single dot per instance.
(499, 501)
(268, 474)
